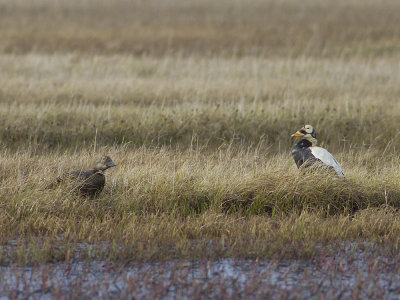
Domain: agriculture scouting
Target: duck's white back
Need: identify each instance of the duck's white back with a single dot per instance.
(323, 155)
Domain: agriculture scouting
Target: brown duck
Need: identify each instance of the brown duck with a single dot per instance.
(88, 182)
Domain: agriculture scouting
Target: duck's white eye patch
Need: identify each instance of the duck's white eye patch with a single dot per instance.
(309, 129)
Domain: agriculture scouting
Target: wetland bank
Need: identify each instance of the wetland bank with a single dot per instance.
(196, 107)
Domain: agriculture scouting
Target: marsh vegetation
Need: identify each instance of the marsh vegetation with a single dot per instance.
(195, 101)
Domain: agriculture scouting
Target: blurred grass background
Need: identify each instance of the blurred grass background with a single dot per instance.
(209, 73)
(238, 27)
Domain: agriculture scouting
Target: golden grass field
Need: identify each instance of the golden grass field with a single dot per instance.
(195, 101)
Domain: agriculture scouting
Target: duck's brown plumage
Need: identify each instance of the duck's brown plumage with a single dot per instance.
(89, 182)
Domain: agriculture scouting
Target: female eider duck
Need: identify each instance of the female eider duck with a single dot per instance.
(306, 152)
(88, 182)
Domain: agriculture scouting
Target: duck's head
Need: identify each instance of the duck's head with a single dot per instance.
(104, 163)
(308, 133)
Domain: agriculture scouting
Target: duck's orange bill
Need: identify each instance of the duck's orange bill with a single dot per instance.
(297, 134)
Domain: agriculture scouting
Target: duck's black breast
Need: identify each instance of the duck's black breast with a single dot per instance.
(302, 153)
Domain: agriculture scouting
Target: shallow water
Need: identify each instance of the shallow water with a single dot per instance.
(357, 274)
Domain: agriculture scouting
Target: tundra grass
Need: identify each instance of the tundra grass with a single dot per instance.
(162, 203)
(68, 101)
(196, 101)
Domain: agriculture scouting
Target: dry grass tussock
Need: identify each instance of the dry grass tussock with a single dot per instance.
(160, 203)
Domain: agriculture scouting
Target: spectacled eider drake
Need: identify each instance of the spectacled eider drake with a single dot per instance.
(88, 182)
(306, 151)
